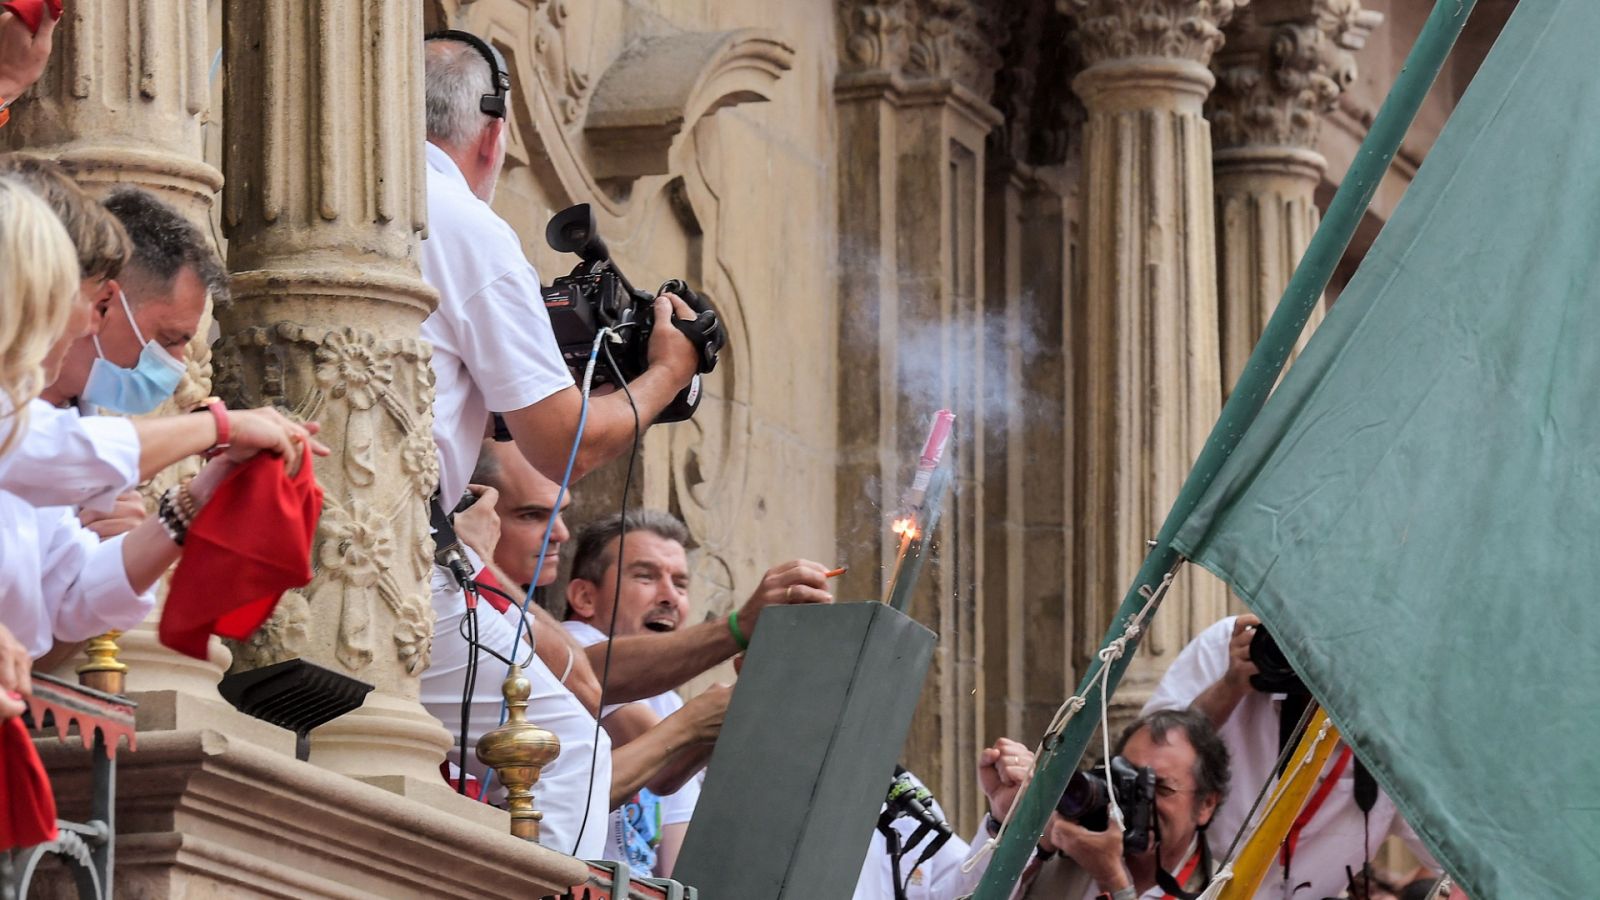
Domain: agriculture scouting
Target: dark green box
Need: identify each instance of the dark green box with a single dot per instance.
(807, 751)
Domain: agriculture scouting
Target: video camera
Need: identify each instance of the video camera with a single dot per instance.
(1087, 801)
(597, 295)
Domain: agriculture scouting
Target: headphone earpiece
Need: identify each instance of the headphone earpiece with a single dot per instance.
(493, 104)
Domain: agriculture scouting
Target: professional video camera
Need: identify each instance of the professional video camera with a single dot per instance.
(597, 295)
(1087, 801)
(1273, 675)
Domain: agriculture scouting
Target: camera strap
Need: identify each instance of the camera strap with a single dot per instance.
(1171, 884)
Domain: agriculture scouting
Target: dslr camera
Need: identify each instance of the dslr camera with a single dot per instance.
(596, 295)
(1273, 675)
(1087, 801)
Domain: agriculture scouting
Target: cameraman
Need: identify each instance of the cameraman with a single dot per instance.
(1191, 778)
(1217, 675)
(493, 350)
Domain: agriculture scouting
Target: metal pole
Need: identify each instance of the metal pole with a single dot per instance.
(1305, 288)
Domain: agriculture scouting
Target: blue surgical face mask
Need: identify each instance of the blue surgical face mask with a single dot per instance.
(136, 390)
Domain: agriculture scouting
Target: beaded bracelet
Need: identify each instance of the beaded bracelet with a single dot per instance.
(172, 520)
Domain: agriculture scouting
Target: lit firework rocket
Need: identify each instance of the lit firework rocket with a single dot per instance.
(908, 523)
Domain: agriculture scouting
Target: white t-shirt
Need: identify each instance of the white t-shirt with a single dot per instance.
(1333, 838)
(570, 792)
(58, 580)
(493, 350)
(940, 878)
(676, 807)
(64, 459)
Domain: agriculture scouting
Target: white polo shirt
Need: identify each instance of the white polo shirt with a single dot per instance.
(574, 791)
(940, 878)
(1333, 837)
(493, 350)
(58, 580)
(64, 459)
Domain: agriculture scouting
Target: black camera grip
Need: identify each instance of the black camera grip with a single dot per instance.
(705, 330)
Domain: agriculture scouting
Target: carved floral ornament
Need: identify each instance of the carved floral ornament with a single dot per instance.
(915, 39)
(370, 554)
(1174, 29)
(1284, 67)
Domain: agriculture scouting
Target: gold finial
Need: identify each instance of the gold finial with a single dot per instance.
(103, 671)
(517, 751)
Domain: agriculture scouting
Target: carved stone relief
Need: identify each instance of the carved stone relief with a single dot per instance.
(1175, 29)
(367, 551)
(917, 39)
(1283, 68)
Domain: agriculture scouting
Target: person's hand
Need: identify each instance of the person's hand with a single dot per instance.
(15, 664)
(23, 54)
(669, 347)
(798, 581)
(1099, 853)
(706, 711)
(124, 516)
(253, 431)
(478, 526)
(1240, 668)
(1003, 770)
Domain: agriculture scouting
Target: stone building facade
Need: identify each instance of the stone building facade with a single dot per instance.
(1064, 219)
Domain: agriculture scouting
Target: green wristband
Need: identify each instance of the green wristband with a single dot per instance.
(733, 628)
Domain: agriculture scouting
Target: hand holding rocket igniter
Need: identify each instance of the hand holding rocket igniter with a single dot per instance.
(797, 581)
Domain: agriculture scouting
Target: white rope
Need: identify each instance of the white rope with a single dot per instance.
(1218, 882)
(1108, 654)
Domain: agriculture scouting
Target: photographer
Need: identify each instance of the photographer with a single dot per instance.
(1190, 769)
(494, 350)
(1233, 673)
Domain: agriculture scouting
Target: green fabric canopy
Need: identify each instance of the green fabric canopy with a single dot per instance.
(1416, 513)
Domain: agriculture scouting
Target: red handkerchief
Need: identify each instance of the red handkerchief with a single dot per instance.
(27, 807)
(249, 544)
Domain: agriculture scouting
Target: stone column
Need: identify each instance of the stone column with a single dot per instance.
(1282, 69)
(323, 150)
(1148, 345)
(123, 102)
(913, 117)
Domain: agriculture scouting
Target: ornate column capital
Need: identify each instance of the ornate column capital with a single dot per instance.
(1174, 29)
(921, 39)
(1283, 68)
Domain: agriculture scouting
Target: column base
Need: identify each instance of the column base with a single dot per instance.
(390, 741)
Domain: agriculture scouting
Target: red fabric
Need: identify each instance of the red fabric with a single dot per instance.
(487, 578)
(31, 12)
(249, 544)
(27, 807)
(1311, 807)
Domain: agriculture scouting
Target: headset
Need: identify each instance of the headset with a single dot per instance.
(493, 104)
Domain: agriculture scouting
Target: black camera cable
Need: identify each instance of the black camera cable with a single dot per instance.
(616, 597)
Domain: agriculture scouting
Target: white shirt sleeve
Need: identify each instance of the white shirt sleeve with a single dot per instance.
(84, 581)
(503, 335)
(1198, 666)
(65, 459)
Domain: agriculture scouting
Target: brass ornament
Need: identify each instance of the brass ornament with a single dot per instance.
(517, 751)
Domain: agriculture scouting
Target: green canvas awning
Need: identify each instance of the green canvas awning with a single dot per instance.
(1416, 513)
